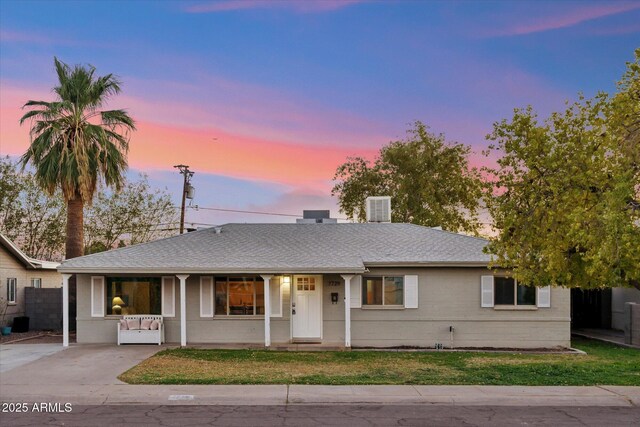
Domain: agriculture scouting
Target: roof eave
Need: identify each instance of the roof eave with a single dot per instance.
(429, 264)
(125, 270)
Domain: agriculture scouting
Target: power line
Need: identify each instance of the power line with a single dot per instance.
(196, 207)
(208, 208)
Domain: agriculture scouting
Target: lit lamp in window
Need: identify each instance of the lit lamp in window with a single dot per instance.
(117, 304)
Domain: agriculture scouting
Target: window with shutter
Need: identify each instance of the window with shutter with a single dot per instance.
(206, 296)
(356, 292)
(486, 291)
(168, 296)
(544, 297)
(97, 296)
(275, 293)
(411, 291)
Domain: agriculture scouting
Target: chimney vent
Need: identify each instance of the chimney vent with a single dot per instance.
(316, 217)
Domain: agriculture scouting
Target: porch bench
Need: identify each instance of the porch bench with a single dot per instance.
(141, 336)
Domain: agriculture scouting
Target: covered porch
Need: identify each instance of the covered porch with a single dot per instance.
(305, 310)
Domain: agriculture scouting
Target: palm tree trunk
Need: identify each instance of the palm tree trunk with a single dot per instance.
(74, 246)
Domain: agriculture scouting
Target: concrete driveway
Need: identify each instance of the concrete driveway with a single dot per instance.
(77, 365)
(15, 355)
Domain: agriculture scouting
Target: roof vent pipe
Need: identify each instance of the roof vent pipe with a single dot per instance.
(218, 230)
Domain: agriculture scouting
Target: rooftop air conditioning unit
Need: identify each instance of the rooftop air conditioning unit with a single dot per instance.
(378, 209)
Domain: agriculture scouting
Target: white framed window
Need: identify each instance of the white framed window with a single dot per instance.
(383, 291)
(127, 295)
(239, 296)
(507, 291)
(12, 290)
(36, 282)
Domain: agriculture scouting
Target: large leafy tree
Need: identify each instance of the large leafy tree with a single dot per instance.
(35, 221)
(429, 180)
(75, 145)
(32, 219)
(136, 214)
(565, 202)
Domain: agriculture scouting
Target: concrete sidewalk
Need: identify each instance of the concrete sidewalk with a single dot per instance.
(117, 394)
(87, 375)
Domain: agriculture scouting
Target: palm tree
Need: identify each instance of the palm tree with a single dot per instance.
(74, 145)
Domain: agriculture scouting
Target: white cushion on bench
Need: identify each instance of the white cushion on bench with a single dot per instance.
(141, 336)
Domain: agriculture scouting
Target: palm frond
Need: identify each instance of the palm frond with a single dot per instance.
(67, 149)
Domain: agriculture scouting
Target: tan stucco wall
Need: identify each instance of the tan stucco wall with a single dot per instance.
(447, 297)
(10, 268)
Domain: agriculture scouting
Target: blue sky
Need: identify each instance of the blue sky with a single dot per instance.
(265, 99)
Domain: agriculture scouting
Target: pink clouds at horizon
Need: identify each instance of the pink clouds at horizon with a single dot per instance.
(207, 149)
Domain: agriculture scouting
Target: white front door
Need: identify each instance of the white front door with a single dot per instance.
(306, 308)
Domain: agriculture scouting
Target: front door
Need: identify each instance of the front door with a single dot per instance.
(306, 308)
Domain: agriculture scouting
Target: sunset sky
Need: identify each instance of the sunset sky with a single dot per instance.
(264, 99)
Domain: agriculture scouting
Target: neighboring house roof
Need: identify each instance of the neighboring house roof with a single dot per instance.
(290, 248)
(28, 262)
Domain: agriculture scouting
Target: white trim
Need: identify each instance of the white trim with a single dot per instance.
(543, 297)
(230, 271)
(97, 286)
(12, 289)
(207, 308)
(35, 280)
(294, 291)
(277, 303)
(65, 309)
(410, 286)
(183, 308)
(355, 293)
(383, 280)
(267, 308)
(163, 301)
(486, 291)
(347, 309)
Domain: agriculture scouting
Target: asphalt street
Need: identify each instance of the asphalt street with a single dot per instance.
(324, 415)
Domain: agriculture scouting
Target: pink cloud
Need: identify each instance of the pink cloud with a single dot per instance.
(240, 107)
(207, 148)
(306, 6)
(238, 156)
(565, 19)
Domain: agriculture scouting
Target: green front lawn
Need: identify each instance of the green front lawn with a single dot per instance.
(603, 364)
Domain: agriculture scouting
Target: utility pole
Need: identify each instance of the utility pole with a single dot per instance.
(187, 191)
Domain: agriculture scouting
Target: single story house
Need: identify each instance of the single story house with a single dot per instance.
(352, 285)
(18, 271)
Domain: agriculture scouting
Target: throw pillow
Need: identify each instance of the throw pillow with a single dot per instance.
(155, 325)
(123, 325)
(133, 323)
(145, 324)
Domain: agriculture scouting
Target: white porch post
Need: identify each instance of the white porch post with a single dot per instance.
(267, 310)
(347, 309)
(183, 309)
(65, 309)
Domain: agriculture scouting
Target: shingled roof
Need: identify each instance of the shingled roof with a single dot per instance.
(289, 248)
